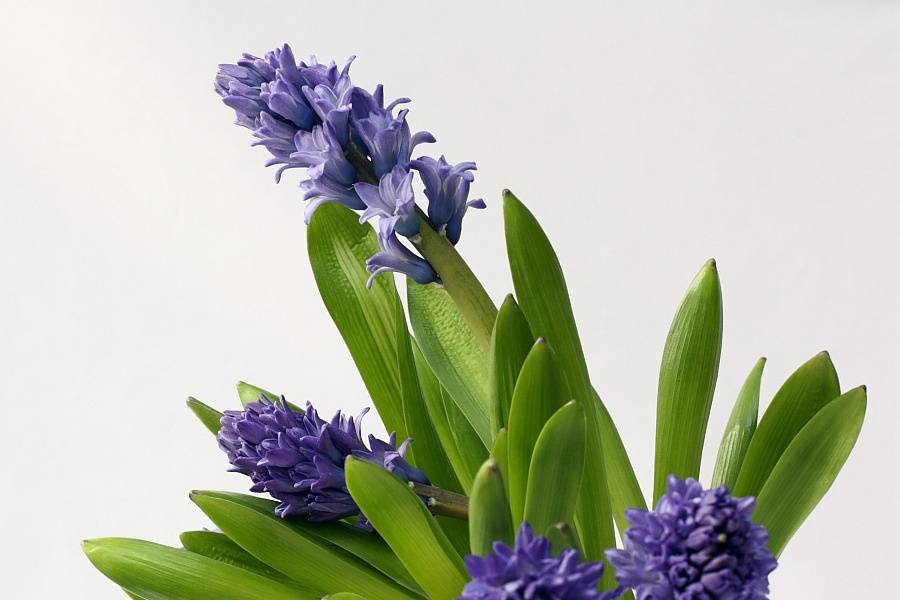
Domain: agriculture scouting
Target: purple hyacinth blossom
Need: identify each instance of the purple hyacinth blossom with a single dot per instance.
(329, 92)
(331, 176)
(396, 257)
(447, 190)
(386, 138)
(298, 458)
(531, 572)
(284, 95)
(391, 200)
(239, 86)
(696, 544)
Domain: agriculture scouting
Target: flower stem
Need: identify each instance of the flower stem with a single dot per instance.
(441, 502)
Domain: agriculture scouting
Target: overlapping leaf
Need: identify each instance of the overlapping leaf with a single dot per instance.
(739, 430)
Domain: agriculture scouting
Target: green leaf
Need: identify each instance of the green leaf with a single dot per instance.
(489, 516)
(303, 557)
(249, 393)
(805, 392)
(500, 453)
(687, 379)
(554, 479)
(510, 343)
(540, 391)
(562, 536)
(209, 416)
(155, 572)
(218, 546)
(541, 290)
(455, 356)
(470, 447)
(433, 395)
(808, 467)
(400, 517)
(739, 430)
(366, 318)
(345, 596)
(427, 451)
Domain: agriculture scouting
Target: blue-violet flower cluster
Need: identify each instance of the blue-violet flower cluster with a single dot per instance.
(357, 150)
(697, 544)
(531, 572)
(298, 458)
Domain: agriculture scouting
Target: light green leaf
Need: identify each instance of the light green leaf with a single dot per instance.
(303, 557)
(808, 467)
(218, 546)
(472, 451)
(457, 359)
(489, 516)
(500, 453)
(554, 479)
(433, 395)
(345, 596)
(805, 392)
(155, 572)
(400, 517)
(366, 318)
(739, 430)
(541, 290)
(540, 391)
(249, 393)
(510, 343)
(209, 416)
(687, 379)
(563, 536)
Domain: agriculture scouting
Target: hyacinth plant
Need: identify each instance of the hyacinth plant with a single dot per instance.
(504, 477)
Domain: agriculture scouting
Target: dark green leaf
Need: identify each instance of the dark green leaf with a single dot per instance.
(805, 392)
(366, 318)
(209, 416)
(489, 515)
(739, 430)
(457, 359)
(510, 343)
(687, 379)
(808, 467)
(400, 517)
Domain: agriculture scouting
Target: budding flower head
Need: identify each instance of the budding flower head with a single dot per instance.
(696, 544)
(298, 458)
(529, 571)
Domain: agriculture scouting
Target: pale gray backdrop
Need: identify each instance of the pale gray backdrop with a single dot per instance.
(148, 255)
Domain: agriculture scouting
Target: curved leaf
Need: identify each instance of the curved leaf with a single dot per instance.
(805, 392)
(249, 393)
(489, 517)
(510, 343)
(808, 467)
(218, 546)
(554, 479)
(155, 572)
(739, 430)
(210, 417)
(400, 517)
(687, 380)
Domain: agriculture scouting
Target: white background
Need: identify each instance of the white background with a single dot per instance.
(147, 254)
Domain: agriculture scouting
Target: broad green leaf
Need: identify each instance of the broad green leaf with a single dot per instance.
(500, 453)
(427, 451)
(345, 596)
(541, 290)
(739, 430)
(624, 489)
(433, 395)
(209, 416)
(808, 467)
(510, 343)
(540, 391)
(305, 558)
(687, 379)
(218, 546)
(489, 516)
(400, 517)
(155, 572)
(805, 392)
(366, 318)
(249, 393)
(455, 356)
(471, 450)
(554, 479)
(369, 548)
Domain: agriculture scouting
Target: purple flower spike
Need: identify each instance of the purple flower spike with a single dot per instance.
(394, 256)
(392, 200)
(239, 86)
(386, 138)
(298, 458)
(696, 544)
(531, 572)
(284, 96)
(447, 190)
